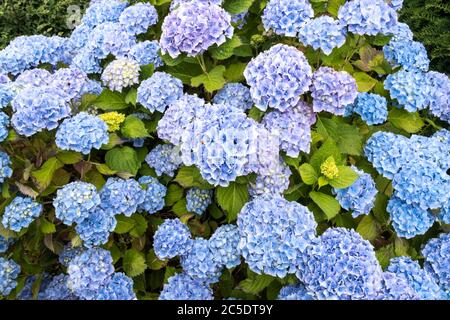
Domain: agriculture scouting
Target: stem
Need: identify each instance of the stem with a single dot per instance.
(434, 125)
(201, 61)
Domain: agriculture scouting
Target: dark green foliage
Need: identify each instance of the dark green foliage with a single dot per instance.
(429, 21)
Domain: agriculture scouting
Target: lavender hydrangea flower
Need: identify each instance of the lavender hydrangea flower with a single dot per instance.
(198, 200)
(224, 244)
(332, 90)
(278, 77)
(120, 74)
(95, 229)
(394, 287)
(137, 18)
(82, 133)
(5, 243)
(165, 159)
(121, 196)
(360, 196)
(20, 213)
(409, 220)
(410, 55)
(103, 11)
(146, 52)
(286, 17)
(295, 292)
(371, 107)
(159, 91)
(276, 181)
(183, 287)
(199, 262)
(4, 124)
(154, 193)
(437, 260)
(58, 289)
(70, 82)
(235, 95)
(172, 239)
(439, 95)
(9, 270)
(367, 17)
(5, 167)
(194, 27)
(323, 33)
(274, 248)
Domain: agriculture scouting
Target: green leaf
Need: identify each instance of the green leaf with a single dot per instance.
(124, 224)
(225, 50)
(322, 181)
(385, 254)
(131, 96)
(401, 247)
(364, 82)
(368, 228)
(237, 6)
(69, 157)
(184, 71)
(212, 81)
(133, 263)
(123, 159)
(402, 119)
(46, 226)
(111, 100)
(174, 193)
(147, 71)
(45, 174)
(133, 128)
(179, 208)
(329, 205)
(140, 226)
(235, 72)
(257, 284)
(86, 101)
(308, 173)
(349, 139)
(333, 6)
(327, 149)
(153, 262)
(105, 170)
(232, 199)
(189, 177)
(346, 178)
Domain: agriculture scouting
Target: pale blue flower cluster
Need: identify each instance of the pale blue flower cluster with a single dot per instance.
(70, 82)
(154, 193)
(6, 94)
(394, 287)
(194, 27)
(198, 200)
(9, 270)
(122, 196)
(175, 3)
(371, 107)
(395, 4)
(31, 78)
(410, 55)
(27, 291)
(82, 133)
(275, 181)
(172, 239)
(4, 124)
(235, 95)
(332, 90)
(20, 213)
(295, 292)
(359, 198)
(341, 265)
(199, 262)
(278, 77)
(75, 201)
(119, 287)
(5, 167)
(138, 18)
(165, 159)
(68, 253)
(369, 17)
(183, 287)
(402, 32)
(103, 11)
(437, 260)
(95, 229)
(57, 289)
(275, 234)
(323, 33)
(120, 74)
(146, 52)
(159, 91)
(439, 95)
(224, 244)
(420, 280)
(286, 17)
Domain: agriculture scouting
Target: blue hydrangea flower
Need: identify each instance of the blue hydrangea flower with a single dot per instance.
(5, 243)
(6, 94)
(4, 124)
(439, 95)
(239, 19)
(103, 11)
(276, 181)
(9, 270)
(194, 27)
(198, 200)
(369, 17)
(409, 220)
(4, 79)
(332, 90)
(146, 52)
(175, 3)
(159, 91)
(420, 280)
(87, 61)
(275, 234)
(92, 87)
(165, 159)
(122, 196)
(371, 107)
(172, 239)
(293, 127)
(75, 201)
(183, 287)
(58, 289)
(137, 18)
(224, 245)
(199, 262)
(286, 17)
(120, 74)
(323, 33)
(444, 214)
(68, 253)
(82, 133)
(395, 4)
(27, 291)
(235, 95)
(89, 271)
(395, 287)
(79, 38)
(360, 196)
(278, 77)
(410, 88)
(95, 229)
(37, 109)
(295, 292)
(5, 167)
(70, 82)
(20, 213)
(119, 287)
(410, 55)
(429, 149)
(154, 193)
(437, 260)
(341, 265)
(32, 78)
(402, 32)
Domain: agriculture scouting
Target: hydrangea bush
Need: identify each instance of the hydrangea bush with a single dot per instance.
(292, 150)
